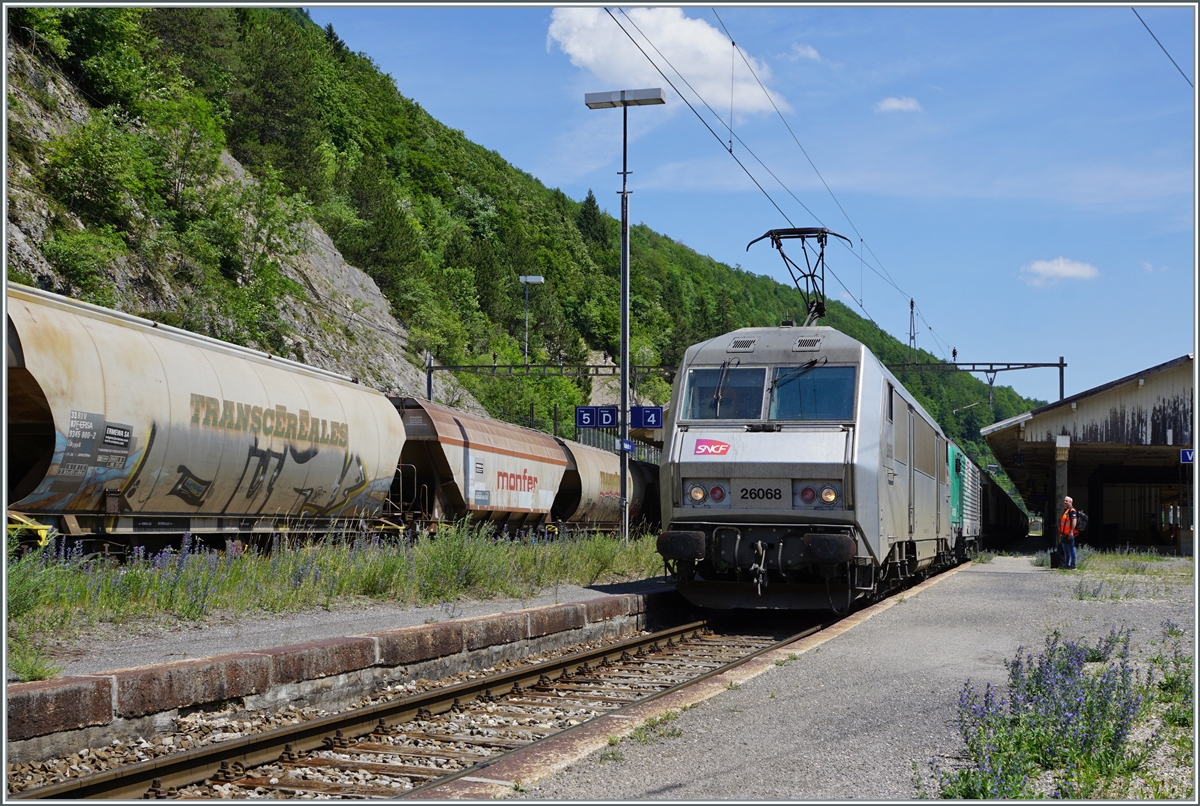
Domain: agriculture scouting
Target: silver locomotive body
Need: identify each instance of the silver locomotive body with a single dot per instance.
(798, 473)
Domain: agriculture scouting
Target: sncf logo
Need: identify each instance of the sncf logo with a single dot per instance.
(711, 447)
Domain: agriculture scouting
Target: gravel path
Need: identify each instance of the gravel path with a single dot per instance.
(106, 648)
(848, 718)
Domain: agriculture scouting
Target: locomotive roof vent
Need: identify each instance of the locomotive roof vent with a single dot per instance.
(807, 344)
(742, 344)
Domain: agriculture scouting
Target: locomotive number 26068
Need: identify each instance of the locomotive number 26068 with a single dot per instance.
(759, 493)
(766, 494)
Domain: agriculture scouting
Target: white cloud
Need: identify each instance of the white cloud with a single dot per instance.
(698, 51)
(898, 105)
(1048, 272)
(1147, 266)
(804, 52)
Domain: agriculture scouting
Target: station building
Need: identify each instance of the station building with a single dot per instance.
(1123, 451)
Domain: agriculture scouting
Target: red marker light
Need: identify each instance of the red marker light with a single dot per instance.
(808, 495)
(717, 494)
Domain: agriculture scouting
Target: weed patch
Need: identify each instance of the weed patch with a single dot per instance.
(657, 727)
(982, 557)
(1066, 723)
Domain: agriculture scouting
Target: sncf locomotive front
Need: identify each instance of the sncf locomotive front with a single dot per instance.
(773, 477)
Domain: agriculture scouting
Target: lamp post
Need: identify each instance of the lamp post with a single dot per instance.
(610, 100)
(533, 279)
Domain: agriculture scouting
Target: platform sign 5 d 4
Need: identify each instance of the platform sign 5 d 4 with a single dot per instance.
(1187, 456)
(646, 417)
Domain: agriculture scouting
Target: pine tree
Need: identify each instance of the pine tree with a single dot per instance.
(591, 223)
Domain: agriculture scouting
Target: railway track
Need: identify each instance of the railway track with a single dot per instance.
(406, 746)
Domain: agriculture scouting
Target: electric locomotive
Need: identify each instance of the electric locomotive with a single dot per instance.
(798, 473)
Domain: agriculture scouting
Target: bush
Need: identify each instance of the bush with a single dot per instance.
(1059, 716)
(102, 172)
(83, 258)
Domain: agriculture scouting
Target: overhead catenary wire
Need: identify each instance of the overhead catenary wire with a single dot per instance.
(697, 114)
(733, 136)
(684, 98)
(806, 156)
(1160, 44)
(888, 278)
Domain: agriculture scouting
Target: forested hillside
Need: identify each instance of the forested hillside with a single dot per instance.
(442, 225)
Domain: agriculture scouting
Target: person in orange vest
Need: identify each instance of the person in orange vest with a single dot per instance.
(1067, 532)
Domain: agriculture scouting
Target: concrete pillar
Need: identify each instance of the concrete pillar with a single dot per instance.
(1062, 447)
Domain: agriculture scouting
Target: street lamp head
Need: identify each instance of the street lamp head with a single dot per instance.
(533, 279)
(608, 100)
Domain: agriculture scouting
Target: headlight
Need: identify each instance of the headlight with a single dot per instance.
(717, 494)
(828, 495)
(697, 494)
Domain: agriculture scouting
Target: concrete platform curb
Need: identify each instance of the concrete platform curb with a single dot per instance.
(530, 766)
(49, 716)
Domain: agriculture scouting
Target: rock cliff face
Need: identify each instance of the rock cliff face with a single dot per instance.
(341, 322)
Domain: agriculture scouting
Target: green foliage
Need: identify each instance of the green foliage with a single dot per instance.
(41, 29)
(275, 110)
(101, 171)
(592, 224)
(83, 257)
(201, 43)
(28, 585)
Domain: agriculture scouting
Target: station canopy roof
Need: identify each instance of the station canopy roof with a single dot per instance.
(1138, 422)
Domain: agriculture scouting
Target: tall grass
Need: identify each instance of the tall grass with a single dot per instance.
(55, 590)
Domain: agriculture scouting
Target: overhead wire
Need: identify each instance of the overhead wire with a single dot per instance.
(694, 112)
(888, 278)
(1160, 44)
(684, 98)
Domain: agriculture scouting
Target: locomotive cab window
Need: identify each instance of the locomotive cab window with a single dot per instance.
(813, 393)
(730, 393)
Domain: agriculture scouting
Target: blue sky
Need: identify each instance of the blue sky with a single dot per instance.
(1027, 175)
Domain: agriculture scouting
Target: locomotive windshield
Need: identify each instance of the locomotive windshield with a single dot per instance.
(724, 393)
(813, 393)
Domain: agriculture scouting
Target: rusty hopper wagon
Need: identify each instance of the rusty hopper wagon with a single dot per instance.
(457, 465)
(119, 425)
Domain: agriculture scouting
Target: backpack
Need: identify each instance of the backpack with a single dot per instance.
(1080, 520)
